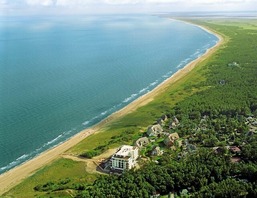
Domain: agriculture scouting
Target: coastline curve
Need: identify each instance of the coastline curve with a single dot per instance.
(14, 176)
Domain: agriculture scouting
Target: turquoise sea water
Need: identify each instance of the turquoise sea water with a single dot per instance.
(59, 75)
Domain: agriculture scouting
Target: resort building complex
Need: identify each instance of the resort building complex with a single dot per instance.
(124, 158)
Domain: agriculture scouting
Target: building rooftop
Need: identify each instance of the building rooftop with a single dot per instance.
(124, 151)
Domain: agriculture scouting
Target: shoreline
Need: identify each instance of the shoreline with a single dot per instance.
(14, 176)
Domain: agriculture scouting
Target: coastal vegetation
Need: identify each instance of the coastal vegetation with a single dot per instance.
(216, 104)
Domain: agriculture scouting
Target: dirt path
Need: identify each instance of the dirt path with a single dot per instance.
(91, 164)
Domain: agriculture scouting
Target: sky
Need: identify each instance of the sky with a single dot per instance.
(122, 6)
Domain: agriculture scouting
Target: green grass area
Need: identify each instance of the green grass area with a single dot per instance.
(250, 24)
(54, 172)
(203, 80)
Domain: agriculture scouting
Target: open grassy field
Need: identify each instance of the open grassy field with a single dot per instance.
(129, 127)
(59, 170)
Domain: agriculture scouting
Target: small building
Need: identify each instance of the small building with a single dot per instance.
(154, 130)
(124, 159)
(234, 149)
(156, 151)
(170, 140)
(174, 123)
(235, 159)
(233, 64)
(141, 142)
(165, 117)
(222, 82)
(219, 150)
(162, 119)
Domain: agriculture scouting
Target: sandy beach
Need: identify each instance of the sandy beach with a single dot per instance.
(14, 176)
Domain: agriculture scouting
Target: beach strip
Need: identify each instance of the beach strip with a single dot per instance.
(14, 176)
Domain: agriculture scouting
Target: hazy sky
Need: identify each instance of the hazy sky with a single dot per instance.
(122, 6)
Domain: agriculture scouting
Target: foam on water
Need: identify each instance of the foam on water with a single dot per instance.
(25, 157)
(126, 100)
(86, 123)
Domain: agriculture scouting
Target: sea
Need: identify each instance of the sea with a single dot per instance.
(62, 74)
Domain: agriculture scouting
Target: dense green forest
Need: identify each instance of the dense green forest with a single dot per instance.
(222, 114)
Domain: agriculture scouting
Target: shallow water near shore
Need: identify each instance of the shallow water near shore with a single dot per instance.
(60, 75)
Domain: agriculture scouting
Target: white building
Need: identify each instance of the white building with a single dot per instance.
(124, 158)
(154, 130)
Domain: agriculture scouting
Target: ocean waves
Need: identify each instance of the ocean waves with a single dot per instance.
(25, 157)
(14, 163)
